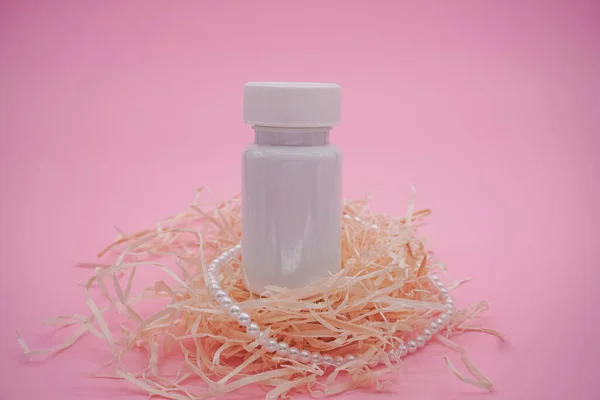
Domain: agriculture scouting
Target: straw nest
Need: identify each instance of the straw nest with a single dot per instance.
(377, 301)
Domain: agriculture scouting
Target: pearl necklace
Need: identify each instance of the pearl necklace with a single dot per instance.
(304, 356)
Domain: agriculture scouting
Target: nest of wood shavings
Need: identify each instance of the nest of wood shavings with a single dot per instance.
(378, 301)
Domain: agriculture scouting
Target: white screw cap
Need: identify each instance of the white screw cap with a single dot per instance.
(292, 104)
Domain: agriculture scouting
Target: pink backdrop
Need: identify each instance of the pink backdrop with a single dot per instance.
(114, 112)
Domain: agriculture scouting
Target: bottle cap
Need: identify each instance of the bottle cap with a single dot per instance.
(292, 104)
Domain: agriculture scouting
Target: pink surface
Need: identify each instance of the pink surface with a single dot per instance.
(114, 112)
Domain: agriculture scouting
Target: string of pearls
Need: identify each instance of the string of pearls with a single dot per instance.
(284, 350)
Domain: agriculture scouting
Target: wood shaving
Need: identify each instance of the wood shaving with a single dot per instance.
(380, 299)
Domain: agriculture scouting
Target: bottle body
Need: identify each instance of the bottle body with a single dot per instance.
(291, 207)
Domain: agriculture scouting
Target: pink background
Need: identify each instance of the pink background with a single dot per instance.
(114, 112)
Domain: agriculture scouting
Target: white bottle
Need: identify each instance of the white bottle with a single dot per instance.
(292, 189)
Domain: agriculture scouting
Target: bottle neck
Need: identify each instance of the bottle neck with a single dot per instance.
(291, 136)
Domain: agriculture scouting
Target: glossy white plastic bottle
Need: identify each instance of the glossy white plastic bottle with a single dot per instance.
(292, 190)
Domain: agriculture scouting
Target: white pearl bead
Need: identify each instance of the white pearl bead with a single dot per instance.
(439, 283)
(238, 246)
(235, 310)
(293, 353)
(214, 288)
(316, 358)
(339, 360)
(420, 340)
(393, 356)
(212, 280)
(443, 291)
(327, 359)
(283, 349)
(272, 345)
(434, 326)
(244, 319)
(427, 334)
(403, 351)
(263, 338)
(350, 358)
(373, 362)
(440, 322)
(444, 317)
(347, 216)
(357, 219)
(434, 278)
(450, 313)
(210, 277)
(449, 301)
(411, 346)
(220, 294)
(253, 329)
(304, 356)
(226, 302)
(374, 226)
